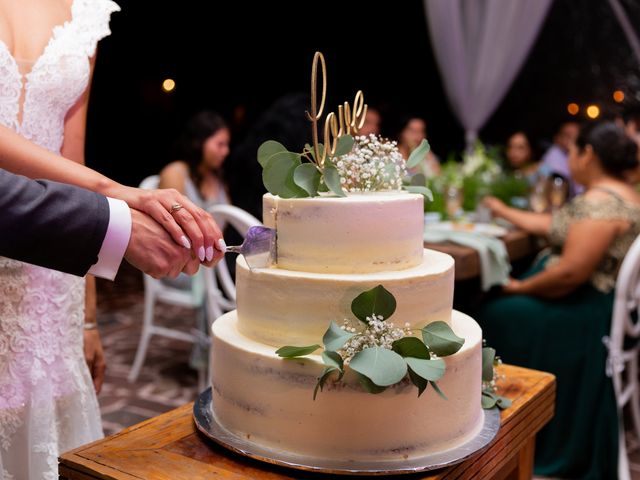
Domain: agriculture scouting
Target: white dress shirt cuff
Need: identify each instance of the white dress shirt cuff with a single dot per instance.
(115, 241)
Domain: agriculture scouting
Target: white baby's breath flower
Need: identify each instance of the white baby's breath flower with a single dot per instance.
(365, 168)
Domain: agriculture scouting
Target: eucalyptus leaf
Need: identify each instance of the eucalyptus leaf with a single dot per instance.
(293, 352)
(322, 380)
(323, 186)
(503, 402)
(431, 370)
(368, 385)
(345, 144)
(307, 177)
(382, 366)
(418, 180)
(424, 191)
(440, 339)
(333, 360)
(309, 148)
(418, 381)
(438, 391)
(277, 175)
(335, 337)
(418, 154)
(268, 149)
(332, 178)
(488, 400)
(488, 356)
(378, 300)
(411, 347)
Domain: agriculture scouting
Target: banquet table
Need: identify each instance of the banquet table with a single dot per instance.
(519, 244)
(170, 447)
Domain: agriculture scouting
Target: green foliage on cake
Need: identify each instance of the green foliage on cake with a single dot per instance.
(358, 164)
(380, 353)
(490, 398)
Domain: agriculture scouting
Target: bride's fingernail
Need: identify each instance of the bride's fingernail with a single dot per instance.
(201, 254)
(185, 242)
(222, 246)
(209, 254)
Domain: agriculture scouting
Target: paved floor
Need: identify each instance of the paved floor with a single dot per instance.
(166, 380)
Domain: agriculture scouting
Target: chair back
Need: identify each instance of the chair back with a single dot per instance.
(622, 360)
(624, 323)
(219, 285)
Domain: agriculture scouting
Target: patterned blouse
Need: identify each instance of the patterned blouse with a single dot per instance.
(612, 208)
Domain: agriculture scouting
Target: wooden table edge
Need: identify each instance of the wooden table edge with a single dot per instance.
(89, 462)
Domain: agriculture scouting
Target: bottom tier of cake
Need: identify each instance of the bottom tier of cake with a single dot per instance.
(269, 400)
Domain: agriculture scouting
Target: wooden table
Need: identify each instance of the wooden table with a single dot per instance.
(168, 447)
(519, 245)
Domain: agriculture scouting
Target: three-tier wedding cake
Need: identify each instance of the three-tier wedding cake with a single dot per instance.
(329, 250)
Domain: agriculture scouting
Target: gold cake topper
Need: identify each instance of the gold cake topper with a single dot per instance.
(348, 121)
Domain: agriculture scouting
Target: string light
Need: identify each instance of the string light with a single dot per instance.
(573, 108)
(618, 96)
(168, 85)
(593, 111)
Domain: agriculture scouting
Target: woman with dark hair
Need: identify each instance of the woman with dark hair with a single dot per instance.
(410, 131)
(554, 317)
(201, 151)
(520, 156)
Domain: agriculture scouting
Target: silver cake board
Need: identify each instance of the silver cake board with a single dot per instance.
(208, 425)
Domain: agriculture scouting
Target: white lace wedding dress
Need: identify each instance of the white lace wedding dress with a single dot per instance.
(47, 401)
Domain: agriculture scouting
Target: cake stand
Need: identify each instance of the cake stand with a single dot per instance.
(206, 423)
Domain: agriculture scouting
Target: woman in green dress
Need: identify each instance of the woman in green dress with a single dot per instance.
(554, 317)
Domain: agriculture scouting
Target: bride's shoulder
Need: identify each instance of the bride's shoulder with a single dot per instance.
(91, 18)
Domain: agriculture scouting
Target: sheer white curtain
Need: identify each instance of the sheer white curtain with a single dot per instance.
(480, 46)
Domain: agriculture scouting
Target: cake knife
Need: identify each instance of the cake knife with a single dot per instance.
(259, 247)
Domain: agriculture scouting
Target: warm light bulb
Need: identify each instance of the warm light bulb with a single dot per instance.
(573, 108)
(593, 111)
(168, 85)
(618, 96)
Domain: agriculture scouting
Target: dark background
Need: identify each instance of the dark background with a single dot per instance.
(226, 55)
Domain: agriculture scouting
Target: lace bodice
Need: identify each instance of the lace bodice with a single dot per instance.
(611, 208)
(58, 77)
(47, 402)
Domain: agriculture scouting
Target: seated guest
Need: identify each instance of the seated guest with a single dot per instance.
(371, 123)
(554, 317)
(520, 156)
(556, 158)
(410, 132)
(198, 173)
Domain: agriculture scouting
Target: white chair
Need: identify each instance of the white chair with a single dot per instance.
(155, 291)
(622, 364)
(219, 286)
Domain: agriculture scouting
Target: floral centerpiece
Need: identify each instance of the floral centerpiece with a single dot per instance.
(479, 173)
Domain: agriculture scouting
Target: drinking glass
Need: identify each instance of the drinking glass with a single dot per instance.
(538, 201)
(558, 193)
(453, 201)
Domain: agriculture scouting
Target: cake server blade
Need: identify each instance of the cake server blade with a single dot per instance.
(258, 248)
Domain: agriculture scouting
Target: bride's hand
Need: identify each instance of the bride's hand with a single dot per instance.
(94, 356)
(202, 232)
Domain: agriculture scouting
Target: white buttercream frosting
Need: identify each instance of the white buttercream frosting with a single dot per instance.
(283, 307)
(265, 398)
(362, 233)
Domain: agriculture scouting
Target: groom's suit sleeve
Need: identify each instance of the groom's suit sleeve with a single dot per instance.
(55, 225)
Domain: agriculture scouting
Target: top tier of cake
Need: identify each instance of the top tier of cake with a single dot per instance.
(363, 233)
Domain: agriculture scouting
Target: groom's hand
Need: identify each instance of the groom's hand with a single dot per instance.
(152, 250)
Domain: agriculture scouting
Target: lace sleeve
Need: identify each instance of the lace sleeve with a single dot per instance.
(93, 22)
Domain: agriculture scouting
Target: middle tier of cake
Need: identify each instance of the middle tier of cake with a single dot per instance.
(283, 307)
